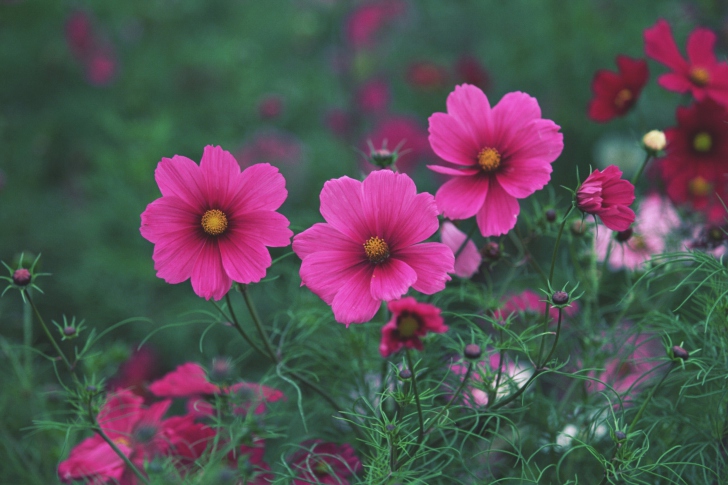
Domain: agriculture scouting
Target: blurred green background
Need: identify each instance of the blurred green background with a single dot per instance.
(94, 94)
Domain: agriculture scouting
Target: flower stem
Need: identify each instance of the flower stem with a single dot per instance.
(256, 320)
(452, 399)
(556, 340)
(28, 337)
(649, 397)
(421, 434)
(520, 391)
(236, 324)
(48, 333)
(642, 168)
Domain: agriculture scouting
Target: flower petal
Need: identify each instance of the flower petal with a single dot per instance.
(391, 279)
(462, 197)
(267, 227)
(451, 141)
(342, 208)
(323, 237)
(432, 262)
(244, 258)
(180, 177)
(260, 187)
(700, 47)
(353, 302)
(209, 279)
(469, 105)
(220, 173)
(660, 45)
(168, 215)
(175, 256)
(499, 212)
(513, 112)
(469, 259)
(454, 171)
(324, 272)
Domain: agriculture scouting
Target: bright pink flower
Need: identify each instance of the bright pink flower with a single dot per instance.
(695, 165)
(606, 195)
(370, 247)
(468, 261)
(325, 463)
(213, 223)
(410, 321)
(469, 70)
(373, 96)
(531, 302)
(655, 220)
(700, 74)
(403, 132)
(504, 154)
(616, 93)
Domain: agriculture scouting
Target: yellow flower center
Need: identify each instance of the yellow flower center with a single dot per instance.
(702, 142)
(699, 187)
(638, 242)
(699, 76)
(122, 440)
(376, 249)
(622, 98)
(214, 222)
(489, 159)
(407, 325)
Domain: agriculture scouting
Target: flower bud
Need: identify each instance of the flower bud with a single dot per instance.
(21, 277)
(491, 251)
(221, 370)
(654, 141)
(405, 374)
(578, 227)
(69, 331)
(382, 158)
(620, 435)
(560, 298)
(472, 351)
(91, 388)
(390, 428)
(623, 236)
(680, 353)
(550, 215)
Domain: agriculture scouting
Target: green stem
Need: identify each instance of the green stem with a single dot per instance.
(556, 340)
(649, 397)
(642, 168)
(452, 399)
(28, 337)
(258, 325)
(421, 434)
(234, 319)
(520, 391)
(48, 333)
(501, 356)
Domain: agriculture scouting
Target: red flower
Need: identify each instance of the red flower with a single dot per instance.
(695, 166)
(410, 321)
(325, 463)
(616, 92)
(606, 195)
(700, 74)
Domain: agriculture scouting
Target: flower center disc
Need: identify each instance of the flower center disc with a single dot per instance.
(407, 326)
(489, 159)
(699, 76)
(377, 250)
(622, 98)
(702, 142)
(699, 187)
(214, 222)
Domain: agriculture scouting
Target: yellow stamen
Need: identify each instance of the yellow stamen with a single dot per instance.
(376, 249)
(407, 325)
(703, 142)
(489, 159)
(214, 222)
(699, 76)
(699, 187)
(622, 98)
(121, 440)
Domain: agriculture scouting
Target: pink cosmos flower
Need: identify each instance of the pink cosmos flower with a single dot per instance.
(655, 220)
(701, 73)
(325, 463)
(606, 195)
(410, 321)
(616, 92)
(504, 154)
(468, 261)
(370, 247)
(213, 223)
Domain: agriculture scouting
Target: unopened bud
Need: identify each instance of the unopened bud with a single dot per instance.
(390, 428)
(221, 370)
(491, 251)
(382, 158)
(91, 388)
(578, 228)
(680, 353)
(654, 141)
(550, 215)
(21, 277)
(472, 351)
(69, 331)
(560, 297)
(623, 236)
(620, 435)
(405, 374)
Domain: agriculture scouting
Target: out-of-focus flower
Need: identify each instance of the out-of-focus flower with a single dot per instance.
(101, 66)
(339, 122)
(134, 374)
(695, 165)
(90, 49)
(503, 154)
(325, 463)
(701, 74)
(270, 106)
(616, 92)
(468, 261)
(405, 134)
(711, 239)
(213, 223)
(370, 248)
(410, 321)
(655, 220)
(530, 302)
(365, 23)
(79, 34)
(484, 376)
(373, 96)
(607, 195)
(426, 76)
(469, 70)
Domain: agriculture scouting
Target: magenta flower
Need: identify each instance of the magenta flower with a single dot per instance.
(410, 321)
(325, 463)
(606, 195)
(504, 154)
(701, 74)
(468, 261)
(213, 223)
(370, 247)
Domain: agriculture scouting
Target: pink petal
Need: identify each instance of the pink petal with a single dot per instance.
(342, 208)
(470, 106)
(188, 379)
(513, 112)
(391, 279)
(266, 227)
(700, 47)
(451, 141)
(454, 171)
(499, 212)
(660, 45)
(220, 173)
(469, 259)
(260, 187)
(175, 255)
(168, 215)
(674, 82)
(432, 262)
(244, 258)
(353, 302)
(462, 197)
(180, 177)
(617, 218)
(93, 458)
(323, 237)
(209, 279)
(325, 271)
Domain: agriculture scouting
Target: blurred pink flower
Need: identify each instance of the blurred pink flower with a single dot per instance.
(79, 34)
(90, 49)
(364, 24)
(279, 148)
(270, 106)
(213, 223)
(410, 321)
(531, 302)
(370, 248)
(607, 195)
(503, 154)
(469, 70)
(101, 67)
(402, 131)
(426, 76)
(468, 261)
(325, 463)
(339, 122)
(373, 96)
(655, 220)
(134, 374)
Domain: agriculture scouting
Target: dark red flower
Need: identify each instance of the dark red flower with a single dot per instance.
(607, 195)
(616, 92)
(695, 166)
(701, 74)
(410, 321)
(469, 70)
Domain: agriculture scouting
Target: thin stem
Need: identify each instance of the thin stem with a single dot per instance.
(520, 391)
(452, 399)
(48, 333)
(97, 428)
(501, 356)
(642, 168)
(465, 241)
(421, 434)
(649, 397)
(28, 337)
(236, 324)
(258, 324)
(556, 340)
